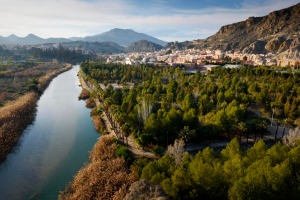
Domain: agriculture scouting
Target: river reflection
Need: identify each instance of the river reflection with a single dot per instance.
(54, 147)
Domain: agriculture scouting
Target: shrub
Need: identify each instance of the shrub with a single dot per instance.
(124, 152)
(158, 151)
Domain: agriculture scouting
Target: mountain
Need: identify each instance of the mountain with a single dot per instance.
(143, 46)
(278, 32)
(96, 47)
(123, 37)
(29, 40)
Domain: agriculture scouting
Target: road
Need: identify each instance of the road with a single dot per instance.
(272, 128)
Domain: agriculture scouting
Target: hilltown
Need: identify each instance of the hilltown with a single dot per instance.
(201, 59)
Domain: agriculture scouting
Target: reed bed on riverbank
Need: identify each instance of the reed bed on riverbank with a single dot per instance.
(14, 118)
(46, 79)
(106, 176)
(90, 103)
(85, 94)
(99, 124)
(16, 115)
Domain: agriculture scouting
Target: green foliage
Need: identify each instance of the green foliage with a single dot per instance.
(124, 152)
(33, 85)
(259, 173)
(158, 151)
(138, 165)
(61, 54)
(97, 111)
(163, 101)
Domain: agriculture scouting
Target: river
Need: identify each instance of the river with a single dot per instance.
(54, 147)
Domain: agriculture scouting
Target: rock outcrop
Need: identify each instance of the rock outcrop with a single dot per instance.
(278, 33)
(144, 190)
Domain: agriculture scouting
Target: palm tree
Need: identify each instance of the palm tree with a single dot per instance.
(126, 131)
(241, 128)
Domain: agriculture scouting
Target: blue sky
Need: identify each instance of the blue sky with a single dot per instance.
(170, 20)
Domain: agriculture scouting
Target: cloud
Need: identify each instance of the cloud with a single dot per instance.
(66, 18)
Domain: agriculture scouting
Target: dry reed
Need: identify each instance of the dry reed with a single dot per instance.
(105, 177)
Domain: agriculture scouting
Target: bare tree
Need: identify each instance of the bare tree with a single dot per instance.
(144, 110)
(177, 150)
(292, 137)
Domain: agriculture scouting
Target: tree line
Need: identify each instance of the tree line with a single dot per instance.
(61, 54)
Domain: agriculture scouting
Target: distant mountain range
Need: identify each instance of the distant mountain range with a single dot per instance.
(29, 40)
(112, 47)
(122, 37)
(278, 32)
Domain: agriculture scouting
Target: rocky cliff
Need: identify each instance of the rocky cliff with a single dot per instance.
(278, 32)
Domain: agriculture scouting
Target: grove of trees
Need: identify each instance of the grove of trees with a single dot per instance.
(166, 103)
(261, 172)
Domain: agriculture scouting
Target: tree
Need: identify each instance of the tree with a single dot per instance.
(126, 131)
(144, 109)
(258, 151)
(186, 134)
(207, 176)
(117, 97)
(190, 118)
(150, 170)
(292, 138)
(241, 128)
(177, 150)
(232, 149)
(33, 85)
(188, 102)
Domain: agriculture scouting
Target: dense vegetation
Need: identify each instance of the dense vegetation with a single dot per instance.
(167, 103)
(159, 105)
(61, 54)
(261, 172)
(18, 78)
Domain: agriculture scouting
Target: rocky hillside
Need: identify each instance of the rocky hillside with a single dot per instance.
(278, 32)
(143, 46)
(145, 190)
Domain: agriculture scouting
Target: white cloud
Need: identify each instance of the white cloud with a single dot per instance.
(66, 18)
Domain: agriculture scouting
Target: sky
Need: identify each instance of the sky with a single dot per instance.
(169, 20)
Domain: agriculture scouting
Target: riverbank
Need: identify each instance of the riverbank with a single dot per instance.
(16, 115)
(106, 176)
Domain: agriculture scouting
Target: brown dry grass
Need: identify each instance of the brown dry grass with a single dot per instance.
(99, 124)
(14, 118)
(85, 94)
(16, 115)
(46, 79)
(14, 82)
(105, 177)
(90, 103)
